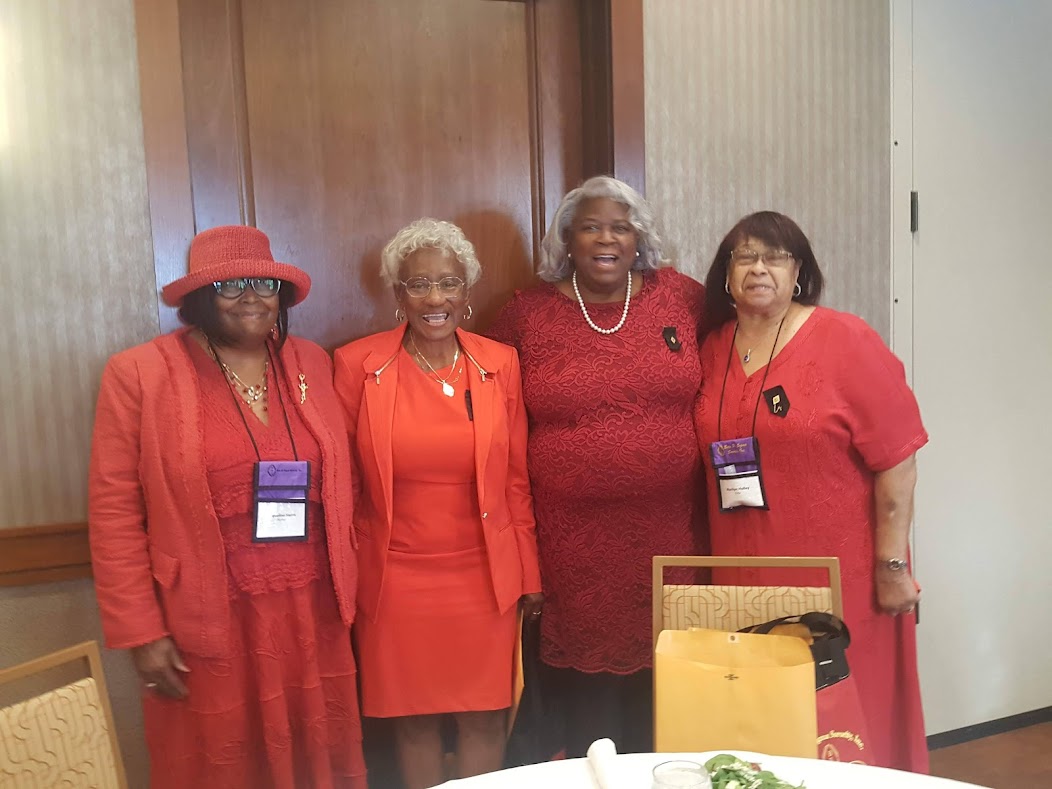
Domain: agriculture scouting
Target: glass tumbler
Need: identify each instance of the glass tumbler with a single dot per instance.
(681, 775)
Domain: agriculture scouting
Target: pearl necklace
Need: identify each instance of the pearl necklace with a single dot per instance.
(588, 318)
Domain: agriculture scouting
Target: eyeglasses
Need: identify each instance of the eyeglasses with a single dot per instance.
(233, 288)
(748, 257)
(420, 287)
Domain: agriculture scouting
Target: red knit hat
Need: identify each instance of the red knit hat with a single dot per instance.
(232, 252)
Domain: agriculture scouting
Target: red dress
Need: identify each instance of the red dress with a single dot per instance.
(280, 711)
(613, 460)
(851, 414)
(439, 643)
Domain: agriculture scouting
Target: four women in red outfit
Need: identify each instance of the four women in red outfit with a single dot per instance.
(838, 429)
(236, 604)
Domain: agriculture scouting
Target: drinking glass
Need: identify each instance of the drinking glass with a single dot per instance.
(681, 775)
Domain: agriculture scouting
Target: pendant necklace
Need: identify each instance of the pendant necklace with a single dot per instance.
(448, 381)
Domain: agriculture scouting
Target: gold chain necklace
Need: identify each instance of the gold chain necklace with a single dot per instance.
(250, 393)
(448, 381)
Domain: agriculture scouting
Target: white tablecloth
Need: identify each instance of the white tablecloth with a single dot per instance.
(634, 772)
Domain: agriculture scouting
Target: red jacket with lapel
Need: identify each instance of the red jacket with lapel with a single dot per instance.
(156, 548)
(505, 503)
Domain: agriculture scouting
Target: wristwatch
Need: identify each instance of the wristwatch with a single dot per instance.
(895, 564)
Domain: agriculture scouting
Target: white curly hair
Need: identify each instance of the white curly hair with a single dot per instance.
(555, 264)
(428, 233)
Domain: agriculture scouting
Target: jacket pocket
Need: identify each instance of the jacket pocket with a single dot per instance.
(165, 568)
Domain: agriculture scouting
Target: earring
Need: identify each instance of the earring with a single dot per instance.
(399, 315)
(797, 290)
(470, 313)
(727, 287)
(637, 254)
(275, 333)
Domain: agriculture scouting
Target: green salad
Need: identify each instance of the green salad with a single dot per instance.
(730, 772)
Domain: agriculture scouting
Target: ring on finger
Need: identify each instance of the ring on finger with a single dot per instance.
(151, 685)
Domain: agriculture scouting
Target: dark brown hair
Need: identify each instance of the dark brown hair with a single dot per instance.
(777, 231)
(199, 311)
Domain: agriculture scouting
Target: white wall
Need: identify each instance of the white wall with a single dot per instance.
(982, 351)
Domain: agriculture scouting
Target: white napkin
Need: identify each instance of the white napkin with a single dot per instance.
(601, 757)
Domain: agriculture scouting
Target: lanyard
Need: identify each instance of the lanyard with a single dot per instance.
(241, 411)
(767, 369)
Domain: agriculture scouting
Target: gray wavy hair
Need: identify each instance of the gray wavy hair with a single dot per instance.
(555, 265)
(427, 233)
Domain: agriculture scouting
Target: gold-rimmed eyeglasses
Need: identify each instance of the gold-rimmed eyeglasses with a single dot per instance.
(420, 287)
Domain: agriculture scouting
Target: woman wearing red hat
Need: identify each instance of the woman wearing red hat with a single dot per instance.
(220, 522)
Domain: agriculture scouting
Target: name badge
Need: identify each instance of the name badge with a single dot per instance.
(281, 500)
(737, 465)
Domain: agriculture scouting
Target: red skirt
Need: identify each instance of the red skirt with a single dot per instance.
(438, 643)
(280, 713)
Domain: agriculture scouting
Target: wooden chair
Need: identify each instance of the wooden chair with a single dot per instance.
(64, 737)
(717, 607)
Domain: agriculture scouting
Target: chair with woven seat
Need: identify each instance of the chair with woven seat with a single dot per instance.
(65, 736)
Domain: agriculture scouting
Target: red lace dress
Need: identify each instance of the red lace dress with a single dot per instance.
(281, 710)
(851, 414)
(613, 460)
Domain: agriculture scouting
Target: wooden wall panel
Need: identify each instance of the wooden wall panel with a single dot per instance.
(216, 115)
(164, 139)
(628, 111)
(365, 116)
(41, 554)
(781, 104)
(559, 73)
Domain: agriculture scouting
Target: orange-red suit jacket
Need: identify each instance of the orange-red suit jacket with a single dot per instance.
(366, 381)
(160, 567)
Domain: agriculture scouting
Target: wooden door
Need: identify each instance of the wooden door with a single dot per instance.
(330, 125)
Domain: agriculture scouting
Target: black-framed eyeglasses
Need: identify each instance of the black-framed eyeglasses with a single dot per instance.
(748, 257)
(233, 288)
(420, 287)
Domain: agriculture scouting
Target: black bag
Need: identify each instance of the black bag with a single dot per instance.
(831, 639)
(534, 736)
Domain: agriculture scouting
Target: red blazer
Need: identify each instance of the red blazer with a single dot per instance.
(366, 384)
(160, 566)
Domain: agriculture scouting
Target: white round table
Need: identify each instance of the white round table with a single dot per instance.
(634, 772)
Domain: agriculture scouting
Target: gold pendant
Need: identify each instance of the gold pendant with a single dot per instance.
(303, 387)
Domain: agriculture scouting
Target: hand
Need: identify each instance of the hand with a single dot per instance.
(897, 592)
(160, 665)
(531, 604)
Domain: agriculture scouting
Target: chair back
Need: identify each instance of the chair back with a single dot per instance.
(730, 608)
(65, 736)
